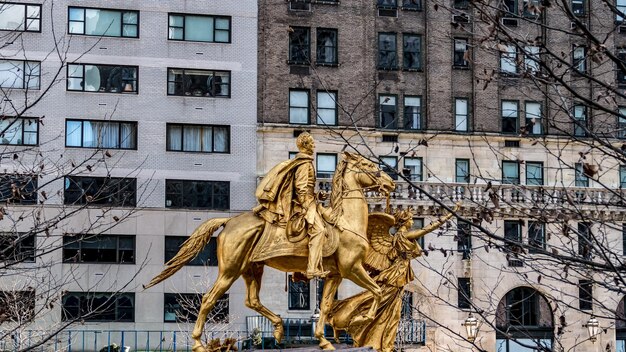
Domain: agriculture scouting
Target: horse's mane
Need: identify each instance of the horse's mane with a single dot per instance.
(336, 196)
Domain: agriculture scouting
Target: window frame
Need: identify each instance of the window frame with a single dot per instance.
(621, 74)
(26, 18)
(193, 315)
(418, 51)
(394, 60)
(585, 294)
(464, 238)
(536, 236)
(213, 87)
(16, 251)
(467, 177)
(134, 82)
(335, 99)
(505, 118)
(393, 173)
(394, 124)
(457, 115)
(211, 183)
(528, 118)
(464, 293)
(584, 233)
(307, 55)
(622, 176)
(335, 47)
(509, 58)
(415, 177)
(23, 131)
(214, 17)
(582, 7)
(622, 8)
(120, 184)
(182, 126)
(417, 7)
(302, 287)
(26, 78)
(308, 106)
(18, 306)
(505, 179)
(79, 240)
(207, 257)
(112, 299)
(24, 182)
(579, 65)
(121, 11)
(580, 178)
(541, 180)
(507, 12)
(119, 136)
(318, 173)
(455, 53)
(407, 116)
(580, 131)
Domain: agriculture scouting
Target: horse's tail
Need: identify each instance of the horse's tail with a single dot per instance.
(189, 249)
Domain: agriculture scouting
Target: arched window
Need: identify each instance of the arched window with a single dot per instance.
(620, 327)
(523, 322)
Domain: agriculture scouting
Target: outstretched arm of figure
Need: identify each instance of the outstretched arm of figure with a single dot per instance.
(415, 234)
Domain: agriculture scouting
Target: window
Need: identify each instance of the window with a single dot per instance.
(624, 238)
(17, 247)
(299, 48)
(465, 293)
(387, 3)
(197, 194)
(111, 191)
(418, 223)
(206, 257)
(327, 48)
(622, 176)
(534, 173)
(415, 5)
(199, 28)
(524, 317)
(621, 73)
(19, 131)
(461, 113)
(510, 172)
(102, 78)
(392, 168)
(299, 295)
(510, 114)
(387, 8)
(578, 7)
(406, 311)
(100, 134)
(531, 59)
(509, 7)
(299, 106)
(387, 55)
(198, 138)
(461, 4)
(18, 189)
(580, 121)
(533, 118)
(462, 170)
(585, 294)
(17, 306)
(584, 240)
(388, 109)
(536, 235)
(99, 306)
(326, 164)
(512, 231)
(412, 52)
(414, 165)
(99, 249)
(198, 83)
(460, 51)
(581, 179)
(412, 113)
(621, 123)
(464, 238)
(531, 8)
(621, 8)
(101, 22)
(184, 307)
(326, 108)
(508, 59)
(20, 74)
(20, 17)
(579, 61)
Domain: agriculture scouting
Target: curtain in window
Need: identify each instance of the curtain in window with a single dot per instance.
(73, 133)
(207, 138)
(11, 74)
(192, 139)
(174, 137)
(90, 136)
(108, 134)
(533, 115)
(30, 127)
(199, 28)
(221, 142)
(128, 133)
(103, 22)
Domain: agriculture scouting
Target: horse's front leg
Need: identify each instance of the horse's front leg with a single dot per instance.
(359, 276)
(328, 296)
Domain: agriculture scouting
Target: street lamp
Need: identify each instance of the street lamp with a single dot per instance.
(593, 326)
(471, 327)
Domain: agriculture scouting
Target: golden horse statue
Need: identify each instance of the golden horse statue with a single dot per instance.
(240, 234)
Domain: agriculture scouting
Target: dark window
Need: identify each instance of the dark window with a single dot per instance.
(20, 74)
(100, 190)
(621, 122)
(621, 73)
(509, 8)
(534, 173)
(465, 293)
(407, 305)
(102, 78)
(462, 170)
(579, 7)
(585, 238)
(460, 50)
(17, 247)
(299, 106)
(327, 48)
(103, 22)
(18, 189)
(198, 83)
(387, 51)
(536, 235)
(299, 45)
(579, 58)
(464, 238)
(199, 28)
(415, 5)
(184, 307)
(389, 164)
(299, 295)
(17, 306)
(412, 52)
(523, 307)
(20, 17)
(531, 8)
(387, 3)
(387, 8)
(418, 223)
(585, 294)
(510, 172)
(326, 164)
(510, 116)
(412, 113)
(197, 194)
(99, 249)
(99, 306)
(100, 134)
(206, 257)
(581, 178)
(326, 108)
(624, 239)
(513, 233)
(580, 121)
(461, 4)
(461, 114)
(414, 168)
(19, 131)
(198, 138)
(622, 176)
(388, 111)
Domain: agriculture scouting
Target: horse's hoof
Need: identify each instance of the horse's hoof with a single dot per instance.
(279, 332)
(197, 347)
(360, 320)
(326, 345)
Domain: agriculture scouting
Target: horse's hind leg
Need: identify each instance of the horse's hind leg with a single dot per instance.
(328, 296)
(252, 277)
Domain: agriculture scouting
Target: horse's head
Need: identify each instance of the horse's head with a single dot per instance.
(369, 174)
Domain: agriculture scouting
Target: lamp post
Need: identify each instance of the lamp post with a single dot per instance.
(593, 327)
(471, 327)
